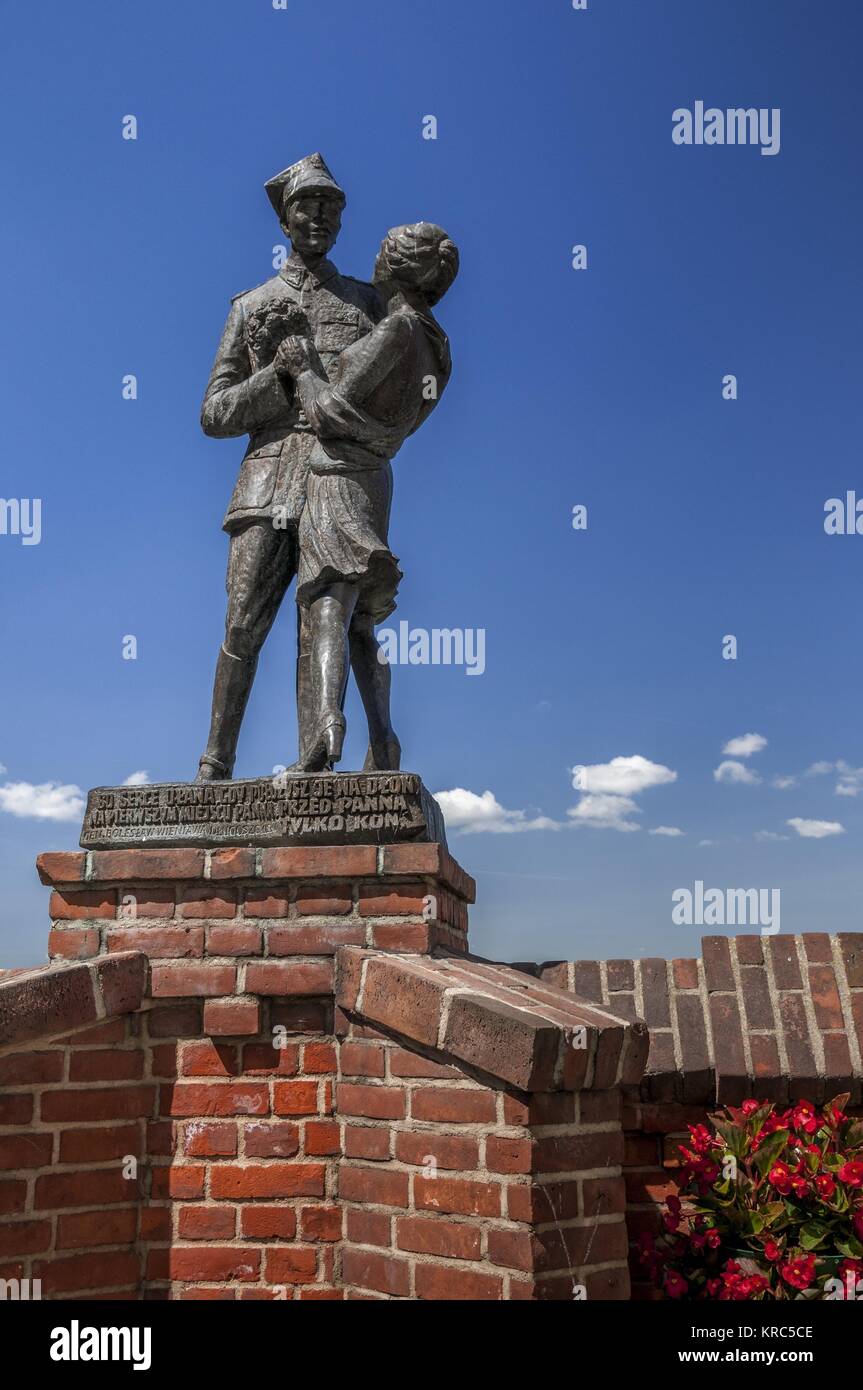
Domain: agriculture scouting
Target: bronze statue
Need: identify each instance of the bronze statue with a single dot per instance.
(250, 392)
(328, 375)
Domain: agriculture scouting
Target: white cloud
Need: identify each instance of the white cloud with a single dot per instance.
(783, 783)
(48, 801)
(622, 776)
(815, 829)
(605, 812)
(671, 830)
(745, 745)
(770, 835)
(137, 779)
(471, 814)
(704, 843)
(731, 771)
(850, 779)
(608, 788)
(818, 769)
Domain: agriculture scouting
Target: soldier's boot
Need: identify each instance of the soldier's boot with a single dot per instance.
(373, 679)
(231, 688)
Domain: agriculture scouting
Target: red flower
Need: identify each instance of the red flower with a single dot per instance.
(825, 1186)
(772, 1251)
(799, 1271)
(674, 1284)
(714, 1240)
(749, 1107)
(780, 1176)
(803, 1118)
(851, 1173)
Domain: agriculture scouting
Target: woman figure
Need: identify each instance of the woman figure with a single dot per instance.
(384, 387)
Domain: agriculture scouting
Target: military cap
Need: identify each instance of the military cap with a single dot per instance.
(311, 172)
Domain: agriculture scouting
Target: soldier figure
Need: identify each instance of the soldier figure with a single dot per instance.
(251, 391)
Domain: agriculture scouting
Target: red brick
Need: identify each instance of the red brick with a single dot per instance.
(397, 995)
(369, 1270)
(369, 1142)
(321, 1223)
(504, 1155)
(377, 1186)
(24, 1238)
(453, 1151)
(315, 902)
(174, 1021)
(314, 939)
(460, 1196)
(267, 1180)
(401, 936)
(269, 1059)
(320, 861)
(321, 1137)
(268, 1223)
(292, 1264)
(371, 1102)
(453, 1105)
(319, 1058)
(73, 943)
(99, 1145)
(204, 901)
(183, 1182)
(216, 1098)
(16, 1109)
(95, 1186)
(61, 866)
(513, 1249)
(825, 995)
(231, 1262)
(174, 943)
(264, 977)
(433, 1236)
(106, 1064)
(208, 1058)
(392, 900)
(232, 1018)
(83, 903)
(86, 1228)
(207, 1223)
(233, 941)
(141, 903)
(114, 1103)
(77, 1273)
(19, 1068)
(232, 863)
(271, 1139)
(202, 1139)
(131, 864)
(368, 1227)
(404, 1063)
(262, 902)
(685, 973)
(175, 981)
(295, 1098)
(13, 1196)
(446, 1282)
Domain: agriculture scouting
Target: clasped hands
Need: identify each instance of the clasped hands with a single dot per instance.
(296, 355)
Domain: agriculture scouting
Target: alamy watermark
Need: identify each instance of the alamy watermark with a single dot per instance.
(735, 126)
(727, 907)
(438, 646)
(21, 516)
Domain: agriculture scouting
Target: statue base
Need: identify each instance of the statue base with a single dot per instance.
(336, 808)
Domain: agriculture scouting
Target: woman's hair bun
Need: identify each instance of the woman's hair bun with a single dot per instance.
(420, 256)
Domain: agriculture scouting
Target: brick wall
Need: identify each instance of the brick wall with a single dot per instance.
(777, 1017)
(325, 1096)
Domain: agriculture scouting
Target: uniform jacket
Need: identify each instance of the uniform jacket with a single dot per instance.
(245, 395)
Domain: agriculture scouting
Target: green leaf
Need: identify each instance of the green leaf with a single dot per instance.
(812, 1234)
(765, 1156)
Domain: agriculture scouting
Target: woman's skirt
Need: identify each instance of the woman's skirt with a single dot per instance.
(343, 538)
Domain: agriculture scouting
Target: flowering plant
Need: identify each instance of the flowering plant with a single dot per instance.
(774, 1207)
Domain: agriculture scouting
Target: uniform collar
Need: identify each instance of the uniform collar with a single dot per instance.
(296, 274)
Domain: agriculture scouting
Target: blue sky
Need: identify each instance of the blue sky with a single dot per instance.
(600, 387)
